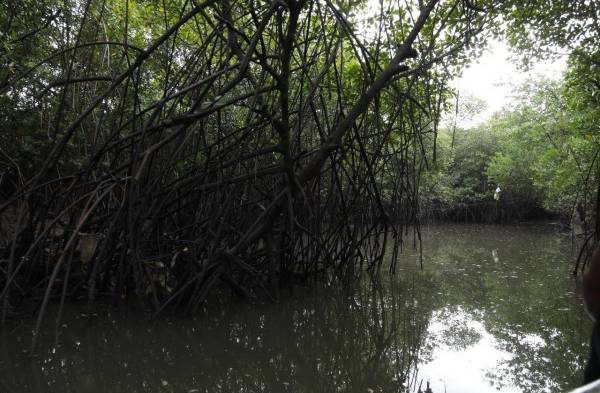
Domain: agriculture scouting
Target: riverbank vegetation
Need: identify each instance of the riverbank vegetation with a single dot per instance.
(168, 152)
(541, 151)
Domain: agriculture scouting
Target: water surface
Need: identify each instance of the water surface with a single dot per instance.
(508, 316)
(494, 309)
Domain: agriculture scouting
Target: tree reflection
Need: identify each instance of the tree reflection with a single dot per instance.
(368, 337)
(327, 341)
(516, 282)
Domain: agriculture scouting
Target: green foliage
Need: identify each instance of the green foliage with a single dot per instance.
(541, 152)
(459, 175)
(472, 151)
(538, 28)
(565, 168)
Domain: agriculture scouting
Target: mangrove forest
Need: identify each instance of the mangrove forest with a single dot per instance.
(295, 195)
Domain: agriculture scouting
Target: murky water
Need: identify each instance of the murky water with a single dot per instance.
(493, 310)
(507, 315)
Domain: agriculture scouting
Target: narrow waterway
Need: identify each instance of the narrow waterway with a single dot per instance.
(494, 309)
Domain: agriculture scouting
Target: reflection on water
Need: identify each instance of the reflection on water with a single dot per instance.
(463, 354)
(322, 342)
(494, 309)
(495, 256)
(507, 316)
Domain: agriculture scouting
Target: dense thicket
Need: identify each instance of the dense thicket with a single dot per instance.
(534, 149)
(161, 149)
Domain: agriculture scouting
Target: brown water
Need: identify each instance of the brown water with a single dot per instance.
(494, 310)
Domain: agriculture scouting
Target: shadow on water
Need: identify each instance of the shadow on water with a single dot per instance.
(324, 341)
(494, 309)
